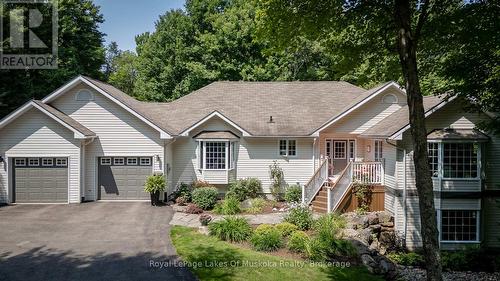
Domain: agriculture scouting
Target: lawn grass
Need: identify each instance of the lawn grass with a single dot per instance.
(205, 251)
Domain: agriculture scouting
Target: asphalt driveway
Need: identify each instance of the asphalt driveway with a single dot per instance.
(90, 241)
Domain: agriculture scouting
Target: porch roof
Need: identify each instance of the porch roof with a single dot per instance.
(457, 134)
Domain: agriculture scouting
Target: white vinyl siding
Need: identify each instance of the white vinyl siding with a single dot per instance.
(119, 133)
(36, 135)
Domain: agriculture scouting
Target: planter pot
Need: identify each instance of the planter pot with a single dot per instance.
(155, 198)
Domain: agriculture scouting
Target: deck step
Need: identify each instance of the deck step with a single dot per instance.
(319, 209)
(320, 198)
(320, 204)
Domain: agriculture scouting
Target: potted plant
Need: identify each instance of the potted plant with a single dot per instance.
(154, 185)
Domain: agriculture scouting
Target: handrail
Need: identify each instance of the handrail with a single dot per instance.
(341, 187)
(369, 172)
(313, 186)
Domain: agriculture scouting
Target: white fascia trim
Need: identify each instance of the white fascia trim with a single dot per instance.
(77, 134)
(215, 113)
(358, 105)
(163, 134)
(14, 115)
(399, 134)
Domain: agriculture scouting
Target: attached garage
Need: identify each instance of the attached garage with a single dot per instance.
(40, 180)
(123, 178)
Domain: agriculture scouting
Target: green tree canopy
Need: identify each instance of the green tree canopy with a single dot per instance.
(80, 51)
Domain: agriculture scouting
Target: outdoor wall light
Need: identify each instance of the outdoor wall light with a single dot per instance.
(368, 148)
(1, 159)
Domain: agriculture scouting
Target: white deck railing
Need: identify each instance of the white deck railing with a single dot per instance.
(312, 187)
(368, 172)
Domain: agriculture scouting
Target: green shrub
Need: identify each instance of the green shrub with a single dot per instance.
(229, 206)
(297, 241)
(184, 190)
(257, 204)
(407, 259)
(286, 228)
(328, 228)
(155, 183)
(315, 250)
(244, 188)
(293, 194)
(266, 238)
(301, 217)
(205, 197)
(233, 229)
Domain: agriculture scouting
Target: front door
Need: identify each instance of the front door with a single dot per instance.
(336, 151)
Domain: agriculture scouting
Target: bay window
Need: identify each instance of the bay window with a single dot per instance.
(216, 155)
(459, 225)
(457, 160)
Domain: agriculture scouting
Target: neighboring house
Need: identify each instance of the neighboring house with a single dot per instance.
(89, 141)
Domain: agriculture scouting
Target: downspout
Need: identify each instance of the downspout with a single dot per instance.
(166, 166)
(314, 155)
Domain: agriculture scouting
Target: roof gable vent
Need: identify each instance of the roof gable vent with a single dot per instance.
(84, 95)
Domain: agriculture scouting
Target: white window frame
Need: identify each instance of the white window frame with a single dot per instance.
(33, 159)
(120, 159)
(352, 146)
(478, 227)
(145, 159)
(441, 160)
(287, 148)
(345, 142)
(21, 160)
(105, 161)
(49, 160)
(205, 164)
(132, 164)
(63, 164)
(378, 155)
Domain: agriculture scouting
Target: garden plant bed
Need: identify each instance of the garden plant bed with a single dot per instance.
(221, 260)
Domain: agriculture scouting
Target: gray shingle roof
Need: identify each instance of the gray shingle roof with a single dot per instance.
(398, 120)
(457, 134)
(216, 135)
(66, 119)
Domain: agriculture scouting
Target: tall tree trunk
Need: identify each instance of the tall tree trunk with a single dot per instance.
(407, 47)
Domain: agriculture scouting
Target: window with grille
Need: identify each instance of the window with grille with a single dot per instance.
(20, 162)
(339, 149)
(459, 225)
(288, 147)
(33, 162)
(432, 151)
(352, 147)
(460, 160)
(215, 155)
(47, 162)
(61, 162)
(378, 150)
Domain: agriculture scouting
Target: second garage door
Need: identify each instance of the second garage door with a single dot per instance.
(122, 178)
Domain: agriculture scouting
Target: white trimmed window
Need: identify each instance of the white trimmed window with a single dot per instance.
(145, 161)
(457, 160)
(215, 155)
(131, 161)
(432, 151)
(119, 161)
(352, 150)
(20, 162)
(47, 162)
(61, 162)
(339, 149)
(378, 150)
(105, 161)
(288, 147)
(33, 162)
(459, 225)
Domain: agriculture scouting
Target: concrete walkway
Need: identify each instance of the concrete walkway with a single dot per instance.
(192, 220)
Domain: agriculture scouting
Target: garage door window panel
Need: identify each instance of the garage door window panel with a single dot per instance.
(119, 161)
(131, 161)
(47, 162)
(61, 162)
(105, 161)
(145, 161)
(33, 162)
(20, 162)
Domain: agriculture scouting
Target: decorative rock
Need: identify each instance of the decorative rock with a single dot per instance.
(178, 208)
(384, 217)
(369, 263)
(375, 245)
(375, 228)
(387, 224)
(203, 230)
(246, 204)
(372, 218)
(386, 238)
(275, 209)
